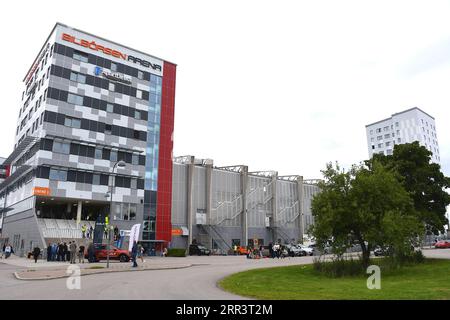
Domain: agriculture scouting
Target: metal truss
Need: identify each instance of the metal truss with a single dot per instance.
(312, 181)
(183, 159)
(267, 174)
(237, 168)
(289, 178)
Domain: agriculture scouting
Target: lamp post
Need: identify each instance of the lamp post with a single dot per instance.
(120, 164)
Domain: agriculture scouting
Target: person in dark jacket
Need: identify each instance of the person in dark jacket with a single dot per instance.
(49, 252)
(61, 252)
(91, 255)
(36, 253)
(134, 252)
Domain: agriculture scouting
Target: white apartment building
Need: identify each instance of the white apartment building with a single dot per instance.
(403, 127)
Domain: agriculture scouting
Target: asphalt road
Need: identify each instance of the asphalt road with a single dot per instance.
(198, 282)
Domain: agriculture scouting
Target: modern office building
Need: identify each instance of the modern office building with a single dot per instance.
(403, 127)
(96, 118)
(90, 105)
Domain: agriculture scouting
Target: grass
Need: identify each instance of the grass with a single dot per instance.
(96, 267)
(428, 280)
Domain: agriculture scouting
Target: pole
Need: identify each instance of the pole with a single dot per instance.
(109, 216)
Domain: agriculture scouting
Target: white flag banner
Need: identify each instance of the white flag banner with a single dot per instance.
(134, 235)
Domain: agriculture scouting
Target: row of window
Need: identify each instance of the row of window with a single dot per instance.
(99, 82)
(98, 104)
(104, 63)
(94, 126)
(87, 177)
(91, 151)
(385, 129)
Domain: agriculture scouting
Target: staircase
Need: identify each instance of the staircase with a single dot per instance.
(63, 229)
(213, 234)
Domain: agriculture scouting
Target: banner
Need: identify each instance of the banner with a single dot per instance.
(134, 235)
(99, 231)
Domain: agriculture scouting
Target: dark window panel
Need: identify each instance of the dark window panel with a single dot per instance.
(90, 152)
(74, 149)
(72, 176)
(106, 154)
(104, 179)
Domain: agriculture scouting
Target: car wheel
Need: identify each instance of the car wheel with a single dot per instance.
(123, 258)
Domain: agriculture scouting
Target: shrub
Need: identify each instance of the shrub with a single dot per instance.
(176, 252)
(339, 267)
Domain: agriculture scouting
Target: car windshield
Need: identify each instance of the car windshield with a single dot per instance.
(201, 247)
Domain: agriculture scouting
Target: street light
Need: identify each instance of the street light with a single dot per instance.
(120, 164)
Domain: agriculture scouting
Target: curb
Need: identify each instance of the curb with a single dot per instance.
(18, 277)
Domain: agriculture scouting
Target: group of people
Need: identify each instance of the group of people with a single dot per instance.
(7, 250)
(277, 251)
(87, 232)
(65, 252)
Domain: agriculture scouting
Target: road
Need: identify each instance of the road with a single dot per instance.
(198, 282)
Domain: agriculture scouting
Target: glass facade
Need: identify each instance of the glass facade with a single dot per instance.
(152, 157)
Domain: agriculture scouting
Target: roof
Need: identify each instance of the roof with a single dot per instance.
(92, 35)
(398, 113)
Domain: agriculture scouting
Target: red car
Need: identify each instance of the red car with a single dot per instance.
(114, 254)
(443, 244)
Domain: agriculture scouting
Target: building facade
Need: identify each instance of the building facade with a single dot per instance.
(94, 137)
(403, 127)
(220, 207)
(88, 103)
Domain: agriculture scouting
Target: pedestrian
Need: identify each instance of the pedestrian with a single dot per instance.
(134, 252)
(261, 248)
(105, 233)
(8, 250)
(235, 250)
(91, 232)
(81, 254)
(3, 250)
(140, 252)
(73, 252)
(36, 253)
(49, 252)
(91, 253)
(165, 252)
(61, 256)
(54, 251)
(116, 233)
(83, 231)
(66, 252)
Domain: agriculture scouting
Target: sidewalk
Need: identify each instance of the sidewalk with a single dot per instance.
(44, 270)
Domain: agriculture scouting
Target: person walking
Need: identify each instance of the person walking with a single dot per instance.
(73, 252)
(91, 232)
(36, 254)
(49, 252)
(91, 253)
(66, 252)
(81, 254)
(8, 250)
(83, 231)
(134, 252)
(140, 252)
(54, 251)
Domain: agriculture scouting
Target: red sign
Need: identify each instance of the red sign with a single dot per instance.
(41, 191)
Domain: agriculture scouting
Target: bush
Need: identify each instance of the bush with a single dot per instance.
(339, 267)
(176, 252)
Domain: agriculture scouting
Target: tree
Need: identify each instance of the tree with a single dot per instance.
(357, 206)
(422, 179)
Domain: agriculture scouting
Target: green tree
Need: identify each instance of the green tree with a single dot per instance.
(422, 179)
(356, 206)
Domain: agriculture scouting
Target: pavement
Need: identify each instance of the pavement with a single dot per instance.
(189, 278)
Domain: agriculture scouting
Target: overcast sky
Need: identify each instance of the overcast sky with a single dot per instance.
(280, 85)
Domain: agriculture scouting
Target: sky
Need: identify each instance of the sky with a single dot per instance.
(276, 85)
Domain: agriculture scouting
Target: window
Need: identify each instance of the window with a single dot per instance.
(96, 179)
(371, 139)
(380, 145)
(42, 118)
(135, 159)
(136, 134)
(45, 94)
(378, 130)
(133, 184)
(81, 56)
(75, 99)
(137, 114)
(389, 152)
(373, 147)
(140, 75)
(113, 66)
(72, 122)
(61, 147)
(113, 155)
(108, 129)
(111, 86)
(398, 132)
(98, 153)
(139, 94)
(59, 175)
(387, 136)
(77, 77)
(388, 144)
(132, 212)
(386, 128)
(109, 107)
(380, 138)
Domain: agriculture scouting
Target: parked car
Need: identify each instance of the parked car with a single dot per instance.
(379, 251)
(114, 254)
(305, 251)
(242, 250)
(199, 250)
(294, 251)
(443, 244)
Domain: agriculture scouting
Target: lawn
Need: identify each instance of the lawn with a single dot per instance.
(429, 280)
